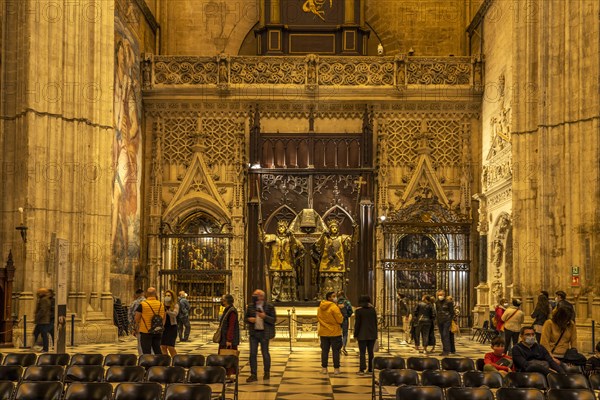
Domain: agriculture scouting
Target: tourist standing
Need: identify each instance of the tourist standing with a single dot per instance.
(561, 301)
(423, 316)
(230, 328)
(260, 317)
(42, 318)
(150, 321)
(445, 314)
(513, 319)
(346, 308)
(169, 335)
(139, 297)
(540, 315)
(404, 314)
(330, 319)
(365, 331)
(183, 318)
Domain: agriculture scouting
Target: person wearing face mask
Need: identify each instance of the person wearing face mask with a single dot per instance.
(169, 336)
(561, 301)
(260, 317)
(513, 319)
(330, 320)
(529, 356)
(445, 314)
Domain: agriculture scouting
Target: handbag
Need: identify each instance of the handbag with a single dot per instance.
(454, 327)
(572, 356)
(376, 346)
(505, 362)
(229, 352)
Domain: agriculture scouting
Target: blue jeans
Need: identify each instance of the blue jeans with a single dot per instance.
(255, 338)
(444, 328)
(335, 343)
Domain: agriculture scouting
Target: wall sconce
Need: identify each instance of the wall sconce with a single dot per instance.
(22, 228)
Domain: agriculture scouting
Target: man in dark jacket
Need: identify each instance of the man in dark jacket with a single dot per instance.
(561, 301)
(530, 356)
(42, 317)
(365, 331)
(445, 314)
(260, 317)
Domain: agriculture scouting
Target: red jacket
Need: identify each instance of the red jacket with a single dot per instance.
(492, 359)
(499, 323)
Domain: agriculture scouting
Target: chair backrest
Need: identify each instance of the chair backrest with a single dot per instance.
(39, 391)
(53, 359)
(490, 379)
(594, 381)
(533, 380)
(44, 373)
(572, 369)
(570, 394)
(458, 364)
(216, 360)
(120, 359)
(444, 379)
(188, 360)
(86, 359)
(568, 381)
(388, 363)
(185, 391)
(479, 363)
(89, 391)
(154, 360)
(422, 363)
(419, 392)
(208, 375)
(469, 393)
(397, 377)
(127, 373)
(6, 390)
(165, 375)
(11, 373)
(519, 394)
(22, 359)
(138, 391)
(84, 373)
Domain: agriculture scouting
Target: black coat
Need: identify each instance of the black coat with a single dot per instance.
(269, 320)
(365, 323)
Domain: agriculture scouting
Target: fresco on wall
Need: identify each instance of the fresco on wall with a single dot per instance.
(126, 157)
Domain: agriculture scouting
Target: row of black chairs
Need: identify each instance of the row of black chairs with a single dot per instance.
(145, 360)
(48, 390)
(483, 393)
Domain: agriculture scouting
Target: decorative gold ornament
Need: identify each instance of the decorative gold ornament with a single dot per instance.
(316, 7)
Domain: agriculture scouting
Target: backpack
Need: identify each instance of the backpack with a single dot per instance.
(156, 323)
(347, 310)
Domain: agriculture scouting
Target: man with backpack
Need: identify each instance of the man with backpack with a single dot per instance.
(183, 318)
(346, 309)
(150, 322)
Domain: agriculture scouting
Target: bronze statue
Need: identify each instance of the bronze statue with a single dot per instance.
(287, 254)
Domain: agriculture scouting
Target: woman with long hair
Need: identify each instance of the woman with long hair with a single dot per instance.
(169, 336)
(365, 331)
(423, 317)
(559, 333)
(540, 315)
(230, 328)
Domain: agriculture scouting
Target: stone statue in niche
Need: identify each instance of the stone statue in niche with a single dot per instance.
(287, 254)
(331, 250)
(497, 249)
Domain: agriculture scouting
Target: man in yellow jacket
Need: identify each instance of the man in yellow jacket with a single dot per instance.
(330, 320)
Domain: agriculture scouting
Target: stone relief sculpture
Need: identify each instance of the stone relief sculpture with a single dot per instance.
(287, 254)
(331, 249)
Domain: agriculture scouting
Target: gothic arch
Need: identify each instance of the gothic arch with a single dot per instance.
(194, 204)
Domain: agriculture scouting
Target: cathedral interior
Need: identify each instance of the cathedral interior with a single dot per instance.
(299, 146)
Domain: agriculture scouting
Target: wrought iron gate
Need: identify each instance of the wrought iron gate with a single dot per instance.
(426, 248)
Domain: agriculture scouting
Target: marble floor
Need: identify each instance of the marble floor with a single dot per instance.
(295, 374)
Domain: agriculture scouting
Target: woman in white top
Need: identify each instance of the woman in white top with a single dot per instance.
(513, 319)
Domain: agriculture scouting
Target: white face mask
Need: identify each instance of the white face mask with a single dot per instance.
(168, 300)
(334, 299)
(441, 298)
(530, 340)
(505, 304)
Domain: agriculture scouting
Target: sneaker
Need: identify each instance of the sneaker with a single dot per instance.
(252, 378)
(361, 373)
(323, 371)
(336, 371)
(344, 352)
(266, 376)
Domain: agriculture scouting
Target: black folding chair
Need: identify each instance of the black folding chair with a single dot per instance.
(165, 375)
(226, 362)
(6, 390)
(185, 391)
(86, 359)
(138, 391)
(11, 373)
(188, 360)
(89, 391)
(44, 373)
(396, 377)
(22, 359)
(154, 360)
(84, 373)
(469, 393)
(570, 394)
(568, 381)
(39, 391)
(419, 393)
(491, 379)
(381, 363)
(127, 373)
(422, 363)
(443, 379)
(209, 375)
(519, 394)
(463, 364)
(53, 359)
(533, 380)
(124, 360)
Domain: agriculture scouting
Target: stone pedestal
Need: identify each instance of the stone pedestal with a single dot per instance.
(482, 308)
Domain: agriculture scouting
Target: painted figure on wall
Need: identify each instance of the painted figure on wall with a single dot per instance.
(126, 160)
(287, 254)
